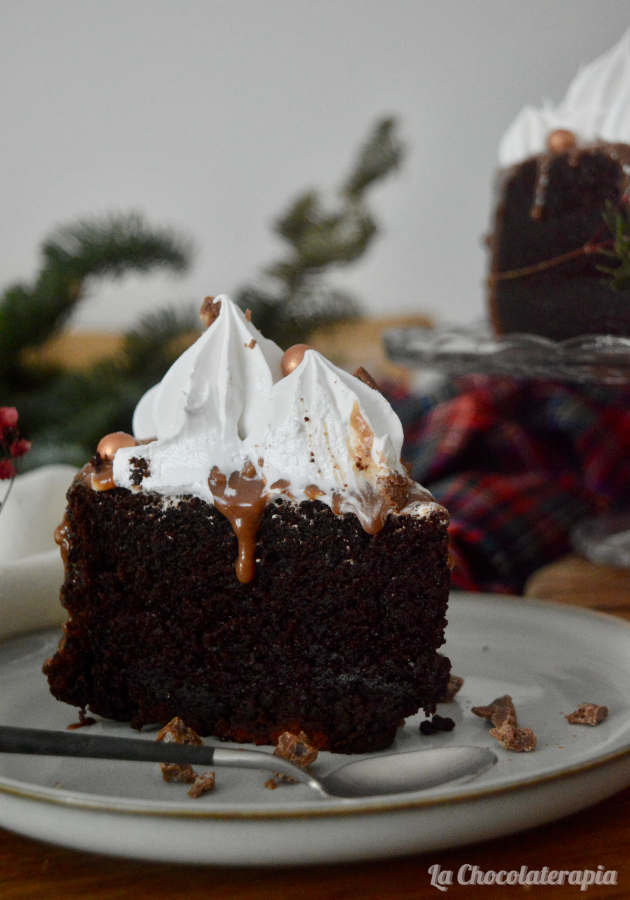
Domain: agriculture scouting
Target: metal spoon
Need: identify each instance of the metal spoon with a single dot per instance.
(394, 773)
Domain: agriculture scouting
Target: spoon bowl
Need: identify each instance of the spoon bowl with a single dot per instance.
(393, 773)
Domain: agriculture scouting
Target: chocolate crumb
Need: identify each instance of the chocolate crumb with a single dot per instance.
(502, 715)
(140, 467)
(176, 732)
(296, 749)
(271, 784)
(97, 462)
(500, 712)
(395, 490)
(364, 376)
(444, 723)
(521, 740)
(452, 688)
(175, 772)
(436, 724)
(203, 785)
(248, 315)
(209, 311)
(251, 344)
(285, 779)
(587, 714)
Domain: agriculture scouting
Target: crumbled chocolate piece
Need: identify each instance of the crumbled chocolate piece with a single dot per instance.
(296, 749)
(203, 785)
(97, 462)
(511, 737)
(436, 724)
(140, 469)
(395, 490)
(364, 376)
(252, 343)
(176, 732)
(502, 714)
(210, 309)
(271, 784)
(444, 723)
(175, 772)
(453, 687)
(587, 714)
(248, 315)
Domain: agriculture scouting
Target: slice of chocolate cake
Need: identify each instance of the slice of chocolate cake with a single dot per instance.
(264, 564)
(563, 168)
(550, 207)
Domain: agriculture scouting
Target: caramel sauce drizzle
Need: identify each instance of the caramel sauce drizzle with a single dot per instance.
(61, 538)
(361, 439)
(104, 480)
(242, 499)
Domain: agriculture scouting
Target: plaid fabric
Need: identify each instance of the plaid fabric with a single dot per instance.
(517, 464)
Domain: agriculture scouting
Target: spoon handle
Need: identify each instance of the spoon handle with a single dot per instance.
(97, 746)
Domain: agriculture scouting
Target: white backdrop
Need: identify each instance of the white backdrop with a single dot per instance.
(210, 115)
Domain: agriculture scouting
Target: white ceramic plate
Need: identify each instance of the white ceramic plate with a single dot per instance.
(549, 658)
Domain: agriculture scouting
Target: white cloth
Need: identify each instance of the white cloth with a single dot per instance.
(31, 571)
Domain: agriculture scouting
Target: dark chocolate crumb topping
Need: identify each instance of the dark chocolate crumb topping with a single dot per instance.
(141, 469)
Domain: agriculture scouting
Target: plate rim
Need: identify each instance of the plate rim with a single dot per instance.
(342, 808)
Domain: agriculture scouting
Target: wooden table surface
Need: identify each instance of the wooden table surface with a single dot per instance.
(30, 870)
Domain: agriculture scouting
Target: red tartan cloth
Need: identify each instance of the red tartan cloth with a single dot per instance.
(517, 464)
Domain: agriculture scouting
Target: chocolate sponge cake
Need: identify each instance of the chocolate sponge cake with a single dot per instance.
(255, 559)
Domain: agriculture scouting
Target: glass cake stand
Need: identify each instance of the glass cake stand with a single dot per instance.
(474, 350)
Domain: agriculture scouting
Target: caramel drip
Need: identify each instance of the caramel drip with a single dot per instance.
(540, 188)
(418, 494)
(241, 498)
(373, 504)
(104, 480)
(313, 492)
(280, 485)
(361, 439)
(84, 475)
(61, 538)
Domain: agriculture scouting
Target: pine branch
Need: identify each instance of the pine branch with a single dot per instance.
(381, 154)
(63, 412)
(73, 254)
(157, 341)
(298, 298)
(619, 275)
(70, 415)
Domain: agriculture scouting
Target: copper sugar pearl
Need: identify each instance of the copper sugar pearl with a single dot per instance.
(561, 140)
(111, 443)
(293, 357)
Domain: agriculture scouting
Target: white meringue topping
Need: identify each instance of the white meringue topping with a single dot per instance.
(596, 106)
(224, 403)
